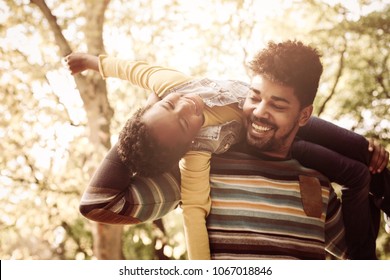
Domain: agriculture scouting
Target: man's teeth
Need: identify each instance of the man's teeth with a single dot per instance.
(260, 128)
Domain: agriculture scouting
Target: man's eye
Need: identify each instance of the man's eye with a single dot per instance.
(252, 96)
(255, 98)
(278, 107)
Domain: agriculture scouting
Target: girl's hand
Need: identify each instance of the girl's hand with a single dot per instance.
(379, 156)
(79, 62)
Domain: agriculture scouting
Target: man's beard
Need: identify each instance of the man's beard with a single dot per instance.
(264, 145)
(271, 143)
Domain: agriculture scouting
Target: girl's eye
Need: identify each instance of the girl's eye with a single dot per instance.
(184, 124)
(170, 104)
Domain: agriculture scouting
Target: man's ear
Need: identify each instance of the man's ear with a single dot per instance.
(305, 115)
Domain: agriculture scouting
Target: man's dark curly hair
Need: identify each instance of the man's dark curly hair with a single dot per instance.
(141, 153)
(293, 64)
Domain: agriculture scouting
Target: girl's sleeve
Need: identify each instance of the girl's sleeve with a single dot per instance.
(338, 139)
(113, 196)
(155, 78)
(196, 202)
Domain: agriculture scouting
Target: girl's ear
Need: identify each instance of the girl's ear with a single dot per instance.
(153, 98)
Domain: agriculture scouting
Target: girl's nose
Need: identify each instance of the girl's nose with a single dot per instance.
(184, 106)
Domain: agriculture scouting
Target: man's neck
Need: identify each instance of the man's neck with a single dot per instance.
(252, 150)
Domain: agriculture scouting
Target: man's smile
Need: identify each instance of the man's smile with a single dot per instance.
(260, 128)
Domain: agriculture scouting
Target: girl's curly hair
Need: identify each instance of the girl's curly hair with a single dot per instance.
(293, 64)
(141, 152)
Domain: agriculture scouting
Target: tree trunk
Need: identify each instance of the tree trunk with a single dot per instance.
(108, 241)
(93, 92)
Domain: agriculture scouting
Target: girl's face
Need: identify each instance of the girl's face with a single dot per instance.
(176, 119)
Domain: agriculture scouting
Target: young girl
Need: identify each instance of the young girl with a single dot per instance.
(191, 119)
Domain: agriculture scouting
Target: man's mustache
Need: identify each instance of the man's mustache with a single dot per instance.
(262, 121)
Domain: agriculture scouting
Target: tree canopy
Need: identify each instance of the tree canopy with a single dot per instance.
(55, 128)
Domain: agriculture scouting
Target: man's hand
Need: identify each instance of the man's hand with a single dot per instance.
(379, 157)
(79, 62)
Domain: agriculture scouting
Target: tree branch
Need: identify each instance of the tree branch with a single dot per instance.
(94, 28)
(61, 41)
(58, 101)
(338, 76)
(65, 48)
(381, 80)
(92, 88)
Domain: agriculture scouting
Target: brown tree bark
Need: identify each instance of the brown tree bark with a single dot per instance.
(93, 92)
(337, 79)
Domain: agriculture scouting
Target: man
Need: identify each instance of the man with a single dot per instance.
(272, 207)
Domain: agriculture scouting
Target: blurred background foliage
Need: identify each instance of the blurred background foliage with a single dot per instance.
(55, 129)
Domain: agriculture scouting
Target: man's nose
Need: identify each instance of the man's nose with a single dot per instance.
(261, 110)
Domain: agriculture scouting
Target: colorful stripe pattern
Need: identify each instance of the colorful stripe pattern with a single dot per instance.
(259, 214)
(113, 196)
(256, 213)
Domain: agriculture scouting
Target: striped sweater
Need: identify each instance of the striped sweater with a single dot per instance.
(272, 209)
(266, 210)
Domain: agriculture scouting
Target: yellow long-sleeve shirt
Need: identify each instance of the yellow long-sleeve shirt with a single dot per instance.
(195, 165)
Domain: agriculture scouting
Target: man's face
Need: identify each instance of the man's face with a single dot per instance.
(273, 116)
(176, 119)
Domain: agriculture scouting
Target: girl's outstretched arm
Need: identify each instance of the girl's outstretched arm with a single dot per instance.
(345, 142)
